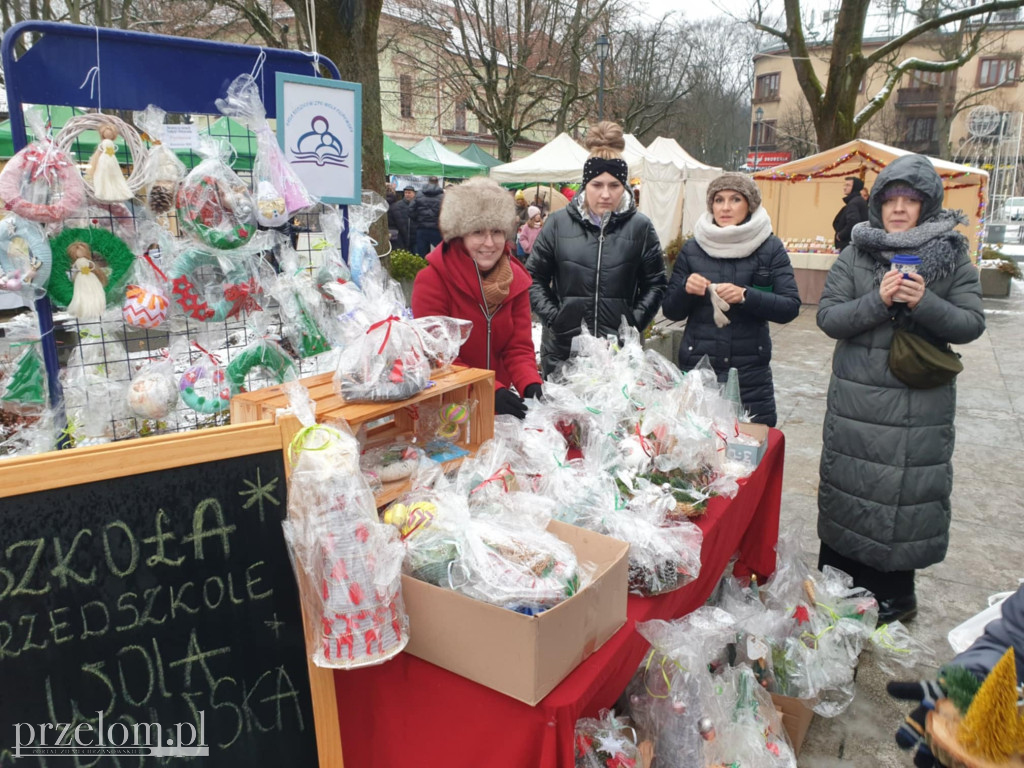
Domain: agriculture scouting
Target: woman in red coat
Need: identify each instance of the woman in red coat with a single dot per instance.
(472, 275)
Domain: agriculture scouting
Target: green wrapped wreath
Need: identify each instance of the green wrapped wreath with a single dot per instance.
(111, 249)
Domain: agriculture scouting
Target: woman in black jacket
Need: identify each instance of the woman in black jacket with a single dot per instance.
(730, 279)
(598, 259)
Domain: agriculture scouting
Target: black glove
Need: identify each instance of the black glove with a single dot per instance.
(910, 734)
(508, 403)
(536, 391)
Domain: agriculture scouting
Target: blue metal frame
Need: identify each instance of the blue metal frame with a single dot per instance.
(136, 69)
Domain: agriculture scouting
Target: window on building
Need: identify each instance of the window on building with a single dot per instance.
(920, 130)
(767, 87)
(921, 79)
(405, 94)
(996, 71)
(460, 115)
(763, 134)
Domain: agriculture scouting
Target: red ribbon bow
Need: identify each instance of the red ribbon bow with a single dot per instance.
(242, 297)
(387, 334)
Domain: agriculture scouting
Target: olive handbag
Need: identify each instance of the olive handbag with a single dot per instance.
(920, 364)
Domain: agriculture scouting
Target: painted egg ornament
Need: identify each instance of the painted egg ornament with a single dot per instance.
(152, 395)
(453, 416)
(144, 306)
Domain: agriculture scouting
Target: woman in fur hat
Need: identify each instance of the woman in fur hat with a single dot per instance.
(886, 471)
(597, 260)
(731, 278)
(472, 276)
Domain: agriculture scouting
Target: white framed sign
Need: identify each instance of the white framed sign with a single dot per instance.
(320, 129)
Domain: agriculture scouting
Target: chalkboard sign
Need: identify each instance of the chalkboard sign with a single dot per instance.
(161, 597)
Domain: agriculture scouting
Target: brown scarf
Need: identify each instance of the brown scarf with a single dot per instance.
(497, 283)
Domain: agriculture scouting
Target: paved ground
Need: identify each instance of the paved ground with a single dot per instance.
(985, 552)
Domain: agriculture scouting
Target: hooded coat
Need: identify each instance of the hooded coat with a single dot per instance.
(450, 286)
(853, 212)
(744, 344)
(886, 472)
(586, 273)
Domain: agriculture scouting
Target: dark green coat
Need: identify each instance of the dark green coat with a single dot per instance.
(886, 471)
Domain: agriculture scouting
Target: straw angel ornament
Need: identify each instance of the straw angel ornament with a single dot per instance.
(108, 182)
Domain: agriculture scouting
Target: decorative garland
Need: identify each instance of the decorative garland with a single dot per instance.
(115, 254)
(214, 213)
(265, 355)
(40, 257)
(240, 290)
(42, 161)
(79, 124)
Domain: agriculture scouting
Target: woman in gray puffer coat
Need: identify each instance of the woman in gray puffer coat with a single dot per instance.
(886, 472)
(731, 278)
(598, 259)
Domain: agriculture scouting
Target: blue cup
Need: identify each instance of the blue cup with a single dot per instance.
(907, 264)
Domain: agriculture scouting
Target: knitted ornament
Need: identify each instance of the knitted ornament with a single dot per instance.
(453, 416)
(42, 183)
(203, 389)
(152, 394)
(217, 211)
(33, 270)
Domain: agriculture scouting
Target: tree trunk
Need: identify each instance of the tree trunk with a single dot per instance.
(346, 33)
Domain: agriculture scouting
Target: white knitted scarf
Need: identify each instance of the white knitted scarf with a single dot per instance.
(735, 242)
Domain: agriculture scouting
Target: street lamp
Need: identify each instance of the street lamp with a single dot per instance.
(603, 45)
(758, 114)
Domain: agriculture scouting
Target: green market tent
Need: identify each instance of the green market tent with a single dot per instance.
(453, 166)
(477, 155)
(399, 161)
(241, 139)
(84, 146)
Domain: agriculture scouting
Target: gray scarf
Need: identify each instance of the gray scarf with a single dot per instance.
(935, 242)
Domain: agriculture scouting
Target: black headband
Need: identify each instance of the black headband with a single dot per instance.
(595, 166)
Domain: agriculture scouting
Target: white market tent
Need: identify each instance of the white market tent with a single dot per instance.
(696, 176)
(454, 165)
(560, 160)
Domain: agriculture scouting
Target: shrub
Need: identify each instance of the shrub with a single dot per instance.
(1001, 262)
(405, 265)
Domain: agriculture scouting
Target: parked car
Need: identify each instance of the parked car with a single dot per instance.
(1013, 209)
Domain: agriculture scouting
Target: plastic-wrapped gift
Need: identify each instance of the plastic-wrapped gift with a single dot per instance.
(166, 169)
(386, 363)
(442, 338)
(431, 525)
(347, 562)
(607, 742)
(213, 204)
(278, 191)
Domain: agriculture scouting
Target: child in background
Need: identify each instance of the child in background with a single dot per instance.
(529, 231)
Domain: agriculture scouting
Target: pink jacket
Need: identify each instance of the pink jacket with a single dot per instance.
(527, 235)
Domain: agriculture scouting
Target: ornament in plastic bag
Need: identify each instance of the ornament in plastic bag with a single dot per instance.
(25, 257)
(24, 389)
(606, 743)
(303, 316)
(146, 303)
(386, 363)
(153, 392)
(203, 387)
(214, 206)
(237, 289)
(442, 338)
(348, 564)
(41, 182)
(167, 170)
(279, 193)
(363, 261)
(431, 525)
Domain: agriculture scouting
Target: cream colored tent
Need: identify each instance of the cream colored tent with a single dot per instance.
(560, 160)
(668, 158)
(803, 196)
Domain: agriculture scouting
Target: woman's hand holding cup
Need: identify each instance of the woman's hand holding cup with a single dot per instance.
(910, 289)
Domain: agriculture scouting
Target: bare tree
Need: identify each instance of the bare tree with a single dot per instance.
(833, 103)
(516, 64)
(650, 73)
(795, 130)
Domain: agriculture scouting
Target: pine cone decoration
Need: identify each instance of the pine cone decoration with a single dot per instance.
(161, 197)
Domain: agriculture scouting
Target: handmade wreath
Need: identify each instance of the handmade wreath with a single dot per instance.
(216, 214)
(104, 125)
(240, 288)
(33, 274)
(264, 355)
(115, 254)
(41, 171)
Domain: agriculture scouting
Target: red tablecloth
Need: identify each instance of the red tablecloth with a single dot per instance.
(409, 712)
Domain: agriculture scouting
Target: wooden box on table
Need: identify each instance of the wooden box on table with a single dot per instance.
(388, 421)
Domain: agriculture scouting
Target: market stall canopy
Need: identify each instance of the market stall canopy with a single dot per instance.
(676, 187)
(479, 156)
(83, 148)
(455, 166)
(561, 159)
(634, 154)
(803, 196)
(399, 161)
(241, 139)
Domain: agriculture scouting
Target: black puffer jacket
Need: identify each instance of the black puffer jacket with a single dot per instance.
(583, 274)
(744, 344)
(853, 212)
(428, 206)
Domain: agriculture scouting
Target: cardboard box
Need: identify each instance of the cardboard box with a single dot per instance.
(796, 719)
(749, 454)
(524, 657)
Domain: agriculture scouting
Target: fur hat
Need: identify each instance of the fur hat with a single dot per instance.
(476, 204)
(740, 183)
